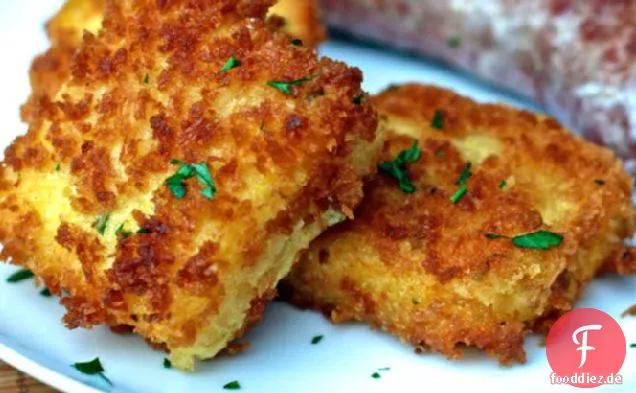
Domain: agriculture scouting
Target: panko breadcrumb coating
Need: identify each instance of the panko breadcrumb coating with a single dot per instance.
(170, 183)
(299, 18)
(441, 264)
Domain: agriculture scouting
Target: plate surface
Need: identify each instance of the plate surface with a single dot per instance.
(281, 358)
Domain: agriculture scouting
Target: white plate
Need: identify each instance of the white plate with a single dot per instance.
(281, 358)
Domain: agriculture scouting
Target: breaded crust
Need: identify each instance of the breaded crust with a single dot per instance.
(299, 18)
(421, 267)
(84, 197)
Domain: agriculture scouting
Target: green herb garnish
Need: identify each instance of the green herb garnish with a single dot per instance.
(540, 240)
(286, 87)
(147, 79)
(46, 292)
(297, 42)
(502, 184)
(143, 230)
(58, 167)
(632, 345)
(317, 339)
(20, 275)
(454, 42)
(600, 182)
(358, 99)
(176, 182)
(231, 63)
(120, 231)
(440, 153)
(459, 194)
(94, 367)
(167, 363)
(398, 167)
(234, 385)
(101, 223)
(438, 120)
(466, 174)
(375, 375)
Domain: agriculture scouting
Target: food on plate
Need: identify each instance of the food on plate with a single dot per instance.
(170, 183)
(299, 18)
(577, 58)
(483, 223)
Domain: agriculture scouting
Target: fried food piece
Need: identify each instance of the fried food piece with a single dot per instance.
(299, 18)
(271, 150)
(436, 273)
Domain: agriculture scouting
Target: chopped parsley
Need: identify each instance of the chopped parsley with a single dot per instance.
(176, 182)
(231, 63)
(46, 292)
(540, 240)
(147, 79)
(101, 223)
(438, 120)
(440, 153)
(234, 385)
(58, 167)
(143, 230)
(600, 182)
(120, 231)
(454, 42)
(20, 275)
(632, 345)
(459, 194)
(358, 99)
(167, 364)
(286, 87)
(94, 367)
(398, 170)
(297, 42)
(466, 174)
(375, 375)
(502, 184)
(317, 339)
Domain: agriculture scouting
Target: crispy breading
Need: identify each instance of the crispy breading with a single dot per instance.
(299, 18)
(84, 197)
(422, 268)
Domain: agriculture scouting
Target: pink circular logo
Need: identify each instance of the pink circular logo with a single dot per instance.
(586, 348)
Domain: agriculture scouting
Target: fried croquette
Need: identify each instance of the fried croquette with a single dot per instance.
(170, 183)
(482, 224)
(299, 18)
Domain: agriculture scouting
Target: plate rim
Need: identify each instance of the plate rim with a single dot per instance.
(34, 369)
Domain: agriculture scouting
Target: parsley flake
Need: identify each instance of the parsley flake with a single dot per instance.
(20, 275)
(231, 63)
(46, 292)
(375, 375)
(286, 87)
(317, 339)
(176, 182)
(398, 170)
(297, 42)
(167, 364)
(502, 184)
(600, 182)
(466, 174)
(101, 223)
(147, 79)
(120, 231)
(143, 230)
(440, 153)
(454, 42)
(58, 167)
(459, 194)
(633, 345)
(438, 120)
(540, 240)
(234, 385)
(94, 367)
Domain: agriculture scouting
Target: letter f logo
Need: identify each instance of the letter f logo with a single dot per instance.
(583, 344)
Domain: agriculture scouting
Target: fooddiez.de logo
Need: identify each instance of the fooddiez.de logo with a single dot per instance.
(586, 348)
